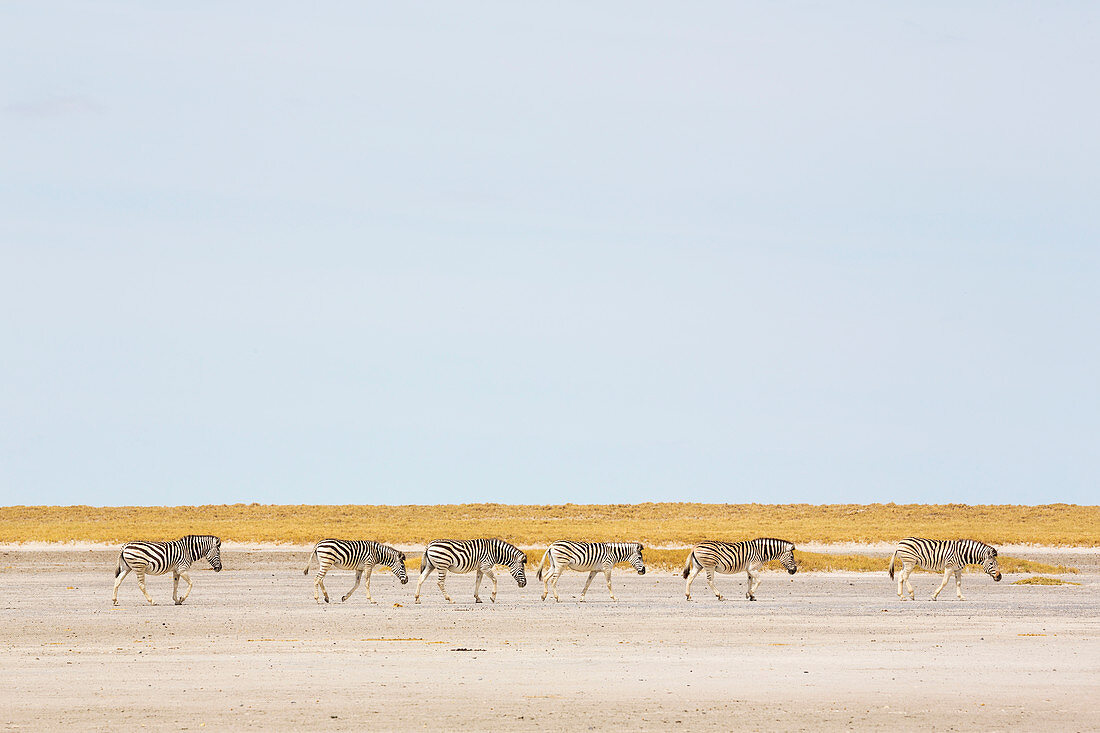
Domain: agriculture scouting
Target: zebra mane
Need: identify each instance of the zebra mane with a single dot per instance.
(978, 545)
(772, 547)
(389, 553)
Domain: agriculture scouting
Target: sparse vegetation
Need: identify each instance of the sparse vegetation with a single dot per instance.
(1039, 580)
(667, 525)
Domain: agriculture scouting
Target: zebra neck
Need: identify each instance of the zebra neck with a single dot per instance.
(618, 551)
(769, 550)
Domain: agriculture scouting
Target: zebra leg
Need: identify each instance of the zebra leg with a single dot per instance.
(118, 582)
(175, 587)
(958, 584)
(555, 578)
(320, 583)
(607, 577)
(190, 585)
(546, 581)
(754, 581)
(710, 583)
(946, 577)
(141, 584)
(370, 572)
(492, 577)
(907, 570)
(425, 569)
(442, 577)
(587, 583)
(477, 585)
(358, 577)
(690, 579)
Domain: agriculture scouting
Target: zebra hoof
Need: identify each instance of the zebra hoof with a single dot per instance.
(326, 599)
(343, 598)
(179, 602)
(477, 600)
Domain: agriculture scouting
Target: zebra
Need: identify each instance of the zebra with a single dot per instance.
(157, 558)
(950, 556)
(462, 556)
(594, 557)
(733, 557)
(358, 555)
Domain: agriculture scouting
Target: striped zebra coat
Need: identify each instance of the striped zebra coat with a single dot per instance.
(950, 556)
(157, 558)
(464, 556)
(734, 557)
(594, 557)
(358, 555)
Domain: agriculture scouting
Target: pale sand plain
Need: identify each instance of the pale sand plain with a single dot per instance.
(251, 649)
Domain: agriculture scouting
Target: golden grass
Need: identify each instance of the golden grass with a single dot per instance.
(671, 524)
(1038, 580)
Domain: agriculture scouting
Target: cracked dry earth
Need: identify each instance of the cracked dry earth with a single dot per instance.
(251, 649)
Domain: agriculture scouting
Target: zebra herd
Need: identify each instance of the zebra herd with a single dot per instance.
(482, 555)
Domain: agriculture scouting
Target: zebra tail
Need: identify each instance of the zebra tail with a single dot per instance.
(891, 568)
(310, 560)
(118, 567)
(688, 564)
(542, 564)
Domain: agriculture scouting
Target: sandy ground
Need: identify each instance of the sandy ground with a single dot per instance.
(251, 649)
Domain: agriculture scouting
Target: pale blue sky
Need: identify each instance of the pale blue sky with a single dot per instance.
(591, 252)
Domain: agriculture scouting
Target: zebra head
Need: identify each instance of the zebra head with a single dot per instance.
(787, 559)
(989, 564)
(635, 558)
(398, 567)
(516, 564)
(213, 554)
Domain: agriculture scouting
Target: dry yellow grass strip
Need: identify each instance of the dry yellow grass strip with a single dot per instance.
(1038, 580)
(670, 524)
